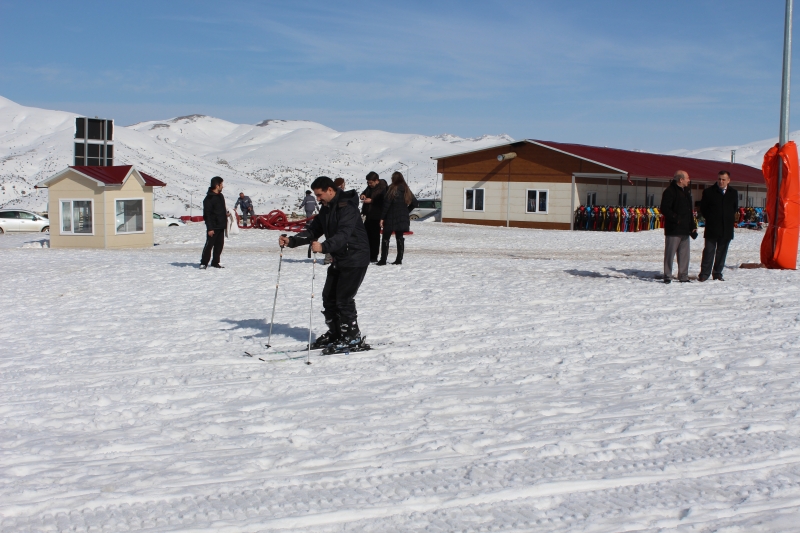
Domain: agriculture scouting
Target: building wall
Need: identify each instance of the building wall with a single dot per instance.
(497, 204)
(132, 188)
(75, 186)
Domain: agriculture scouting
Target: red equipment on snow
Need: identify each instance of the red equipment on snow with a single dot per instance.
(277, 220)
(787, 220)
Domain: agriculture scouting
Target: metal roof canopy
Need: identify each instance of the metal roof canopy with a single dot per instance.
(643, 164)
(116, 175)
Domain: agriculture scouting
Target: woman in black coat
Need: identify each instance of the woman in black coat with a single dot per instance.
(397, 203)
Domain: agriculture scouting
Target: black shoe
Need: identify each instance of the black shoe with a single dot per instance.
(667, 280)
(324, 340)
(719, 278)
(397, 262)
(349, 338)
(381, 262)
(685, 280)
(701, 279)
(217, 266)
(203, 267)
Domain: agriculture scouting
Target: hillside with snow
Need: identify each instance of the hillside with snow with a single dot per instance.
(273, 161)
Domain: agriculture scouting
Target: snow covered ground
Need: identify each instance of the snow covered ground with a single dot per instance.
(521, 380)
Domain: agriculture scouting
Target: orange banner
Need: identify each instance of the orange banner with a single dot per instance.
(787, 220)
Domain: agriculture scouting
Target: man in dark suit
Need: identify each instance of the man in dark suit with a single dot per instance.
(719, 206)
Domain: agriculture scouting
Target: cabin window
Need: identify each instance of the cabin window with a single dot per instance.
(591, 198)
(473, 199)
(623, 199)
(651, 200)
(130, 215)
(537, 201)
(77, 217)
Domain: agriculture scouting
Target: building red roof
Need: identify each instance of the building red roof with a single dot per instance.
(646, 165)
(116, 175)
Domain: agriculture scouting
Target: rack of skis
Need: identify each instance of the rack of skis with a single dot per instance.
(625, 219)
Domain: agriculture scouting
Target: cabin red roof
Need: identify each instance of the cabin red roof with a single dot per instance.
(116, 175)
(646, 165)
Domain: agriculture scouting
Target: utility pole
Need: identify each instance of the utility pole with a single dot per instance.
(784, 133)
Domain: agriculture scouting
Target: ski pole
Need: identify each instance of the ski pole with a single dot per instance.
(275, 300)
(311, 309)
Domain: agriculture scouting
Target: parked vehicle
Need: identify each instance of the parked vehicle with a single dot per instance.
(425, 208)
(12, 220)
(161, 221)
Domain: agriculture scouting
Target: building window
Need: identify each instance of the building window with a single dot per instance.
(76, 217)
(537, 201)
(651, 200)
(473, 199)
(591, 198)
(623, 199)
(130, 215)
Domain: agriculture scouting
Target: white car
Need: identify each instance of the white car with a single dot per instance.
(160, 221)
(12, 220)
(425, 208)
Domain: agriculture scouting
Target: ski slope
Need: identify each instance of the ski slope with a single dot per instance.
(273, 162)
(521, 380)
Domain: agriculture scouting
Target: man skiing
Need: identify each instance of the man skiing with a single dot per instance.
(346, 241)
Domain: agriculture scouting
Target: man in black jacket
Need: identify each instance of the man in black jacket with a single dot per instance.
(679, 224)
(718, 206)
(372, 209)
(346, 241)
(215, 215)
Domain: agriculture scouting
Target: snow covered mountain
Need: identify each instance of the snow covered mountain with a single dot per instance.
(273, 162)
(748, 154)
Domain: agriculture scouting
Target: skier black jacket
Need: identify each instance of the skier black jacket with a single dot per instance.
(345, 236)
(395, 211)
(676, 206)
(719, 210)
(215, 214)
(374, 209)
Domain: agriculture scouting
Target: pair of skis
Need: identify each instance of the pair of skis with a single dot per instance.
(320, 352)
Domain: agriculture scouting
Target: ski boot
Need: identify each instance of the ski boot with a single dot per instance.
(330, 336)
(350, 340)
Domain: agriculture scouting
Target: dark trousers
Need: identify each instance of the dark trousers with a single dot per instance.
(373, 228)
(714, 254)
(213, 243)
(338, 295)
(401, 245)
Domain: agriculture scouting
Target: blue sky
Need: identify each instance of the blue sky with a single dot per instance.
(643, 74)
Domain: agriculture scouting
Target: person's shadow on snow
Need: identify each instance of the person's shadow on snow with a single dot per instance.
(643, 275)
(184, 265)
(263, 329)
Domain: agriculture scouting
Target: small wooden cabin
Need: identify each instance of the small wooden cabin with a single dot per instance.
(539, 184)
(101, 207)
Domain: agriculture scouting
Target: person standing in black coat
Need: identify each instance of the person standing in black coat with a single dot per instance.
(372, 209)
(718, 206)
(215, 215)
(679, 225)
(346, 241)
(397, 203)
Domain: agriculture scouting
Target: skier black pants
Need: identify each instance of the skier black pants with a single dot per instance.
(214, 243)
(714, 253)
(373, 228)
(338, 295)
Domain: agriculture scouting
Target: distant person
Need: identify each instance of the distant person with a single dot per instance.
(309, 204)
(719, 206)
(679, 225)
(397, 203)
(339, 183)
(246, 205)
(215, 216)
(346, 240)
(372, 210)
